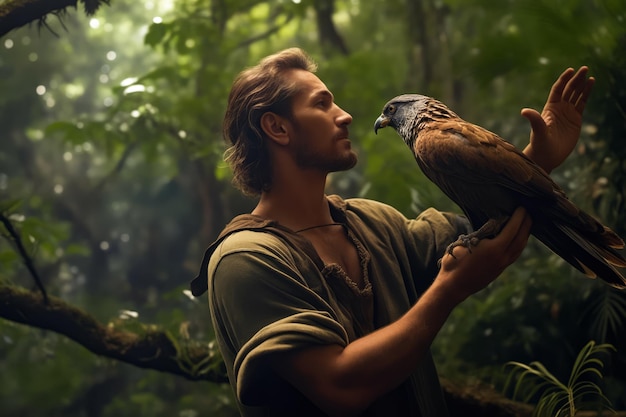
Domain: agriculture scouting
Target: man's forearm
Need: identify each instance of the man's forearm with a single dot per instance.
(343, 381)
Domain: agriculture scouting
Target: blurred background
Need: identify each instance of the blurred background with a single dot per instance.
(111, 171)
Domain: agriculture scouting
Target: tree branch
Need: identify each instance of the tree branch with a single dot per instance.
(118, 166)
(153, 349)
(157, 350)
(269, 32)
(17, 241)
(480, 400)
(17, 13)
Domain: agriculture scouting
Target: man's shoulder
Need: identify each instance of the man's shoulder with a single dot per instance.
(252, 241)
(365, 207)
(246, 249)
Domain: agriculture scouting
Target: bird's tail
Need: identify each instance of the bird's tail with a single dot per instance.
(592, 252)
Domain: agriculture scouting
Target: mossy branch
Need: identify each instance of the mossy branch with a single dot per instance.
(153, 349)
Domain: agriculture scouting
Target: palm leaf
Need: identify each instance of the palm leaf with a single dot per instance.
(555, 397)
(608, 313)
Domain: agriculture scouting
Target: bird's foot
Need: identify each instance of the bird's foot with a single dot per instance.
(466, 241)
(488, 230)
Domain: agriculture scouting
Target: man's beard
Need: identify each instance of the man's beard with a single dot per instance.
(308, 158)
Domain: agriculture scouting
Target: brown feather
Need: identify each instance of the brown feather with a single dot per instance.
(489, 178)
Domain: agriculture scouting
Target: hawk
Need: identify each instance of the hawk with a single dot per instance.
(489, 178)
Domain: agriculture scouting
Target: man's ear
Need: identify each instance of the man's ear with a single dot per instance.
(275, 127)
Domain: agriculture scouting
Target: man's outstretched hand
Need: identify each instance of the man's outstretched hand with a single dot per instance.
(555, 131)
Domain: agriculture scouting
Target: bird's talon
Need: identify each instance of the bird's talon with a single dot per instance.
(442, 142)
(466, 241)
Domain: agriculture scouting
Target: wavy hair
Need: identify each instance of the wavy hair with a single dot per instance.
(255, 91)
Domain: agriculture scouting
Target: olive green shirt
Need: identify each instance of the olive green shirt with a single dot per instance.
(270, 293)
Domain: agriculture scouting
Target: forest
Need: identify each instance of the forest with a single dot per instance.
(112, 185)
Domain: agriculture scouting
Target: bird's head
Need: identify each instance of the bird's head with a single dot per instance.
(402, 113)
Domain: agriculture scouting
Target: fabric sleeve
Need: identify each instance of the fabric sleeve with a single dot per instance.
(443, 229)
(408, 249)
(425, 238)
(428, 238)
(260, 307)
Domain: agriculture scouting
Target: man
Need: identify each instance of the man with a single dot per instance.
(324, 306)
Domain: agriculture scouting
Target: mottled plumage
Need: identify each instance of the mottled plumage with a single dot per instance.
(488, 178)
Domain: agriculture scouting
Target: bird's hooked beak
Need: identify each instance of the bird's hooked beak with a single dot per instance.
(381, 122)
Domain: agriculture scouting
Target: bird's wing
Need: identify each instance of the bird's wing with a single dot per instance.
(460, 156)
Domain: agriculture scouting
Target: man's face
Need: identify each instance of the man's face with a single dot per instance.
(319, 128)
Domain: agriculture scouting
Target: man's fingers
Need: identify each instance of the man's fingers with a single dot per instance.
(514, 222)
(556, 92)
(573, 87)
(584, 95)
(517, 229)
(576, 84)
(578, 88)
(523, 233)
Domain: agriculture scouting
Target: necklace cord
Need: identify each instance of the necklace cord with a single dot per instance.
(318, 226)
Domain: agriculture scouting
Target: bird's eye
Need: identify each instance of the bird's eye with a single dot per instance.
(391, 109)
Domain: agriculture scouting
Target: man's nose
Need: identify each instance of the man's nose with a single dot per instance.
(344, 117)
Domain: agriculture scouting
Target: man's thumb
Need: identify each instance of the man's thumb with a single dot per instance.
(537, 124)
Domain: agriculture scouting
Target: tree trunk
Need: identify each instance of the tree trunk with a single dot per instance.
(329, 36)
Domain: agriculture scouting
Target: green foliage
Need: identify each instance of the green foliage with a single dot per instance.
(560, 399)
(541, 309)
(115, 169)
(501, 323)
(43, 240)
(607, 314)
(62, 369)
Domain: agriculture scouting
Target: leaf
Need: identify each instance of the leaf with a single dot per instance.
(558, 399)
(9, 206)
(156, 33)
(8, 257)
(75, 249)
(68, 130)
(607, 312)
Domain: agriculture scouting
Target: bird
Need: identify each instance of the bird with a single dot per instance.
(488, 178)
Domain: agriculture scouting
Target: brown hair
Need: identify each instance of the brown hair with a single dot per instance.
(255, 91)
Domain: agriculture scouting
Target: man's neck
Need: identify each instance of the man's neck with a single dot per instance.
(296, 205)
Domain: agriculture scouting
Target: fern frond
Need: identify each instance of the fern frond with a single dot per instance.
(556, 398)
(608, 313)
